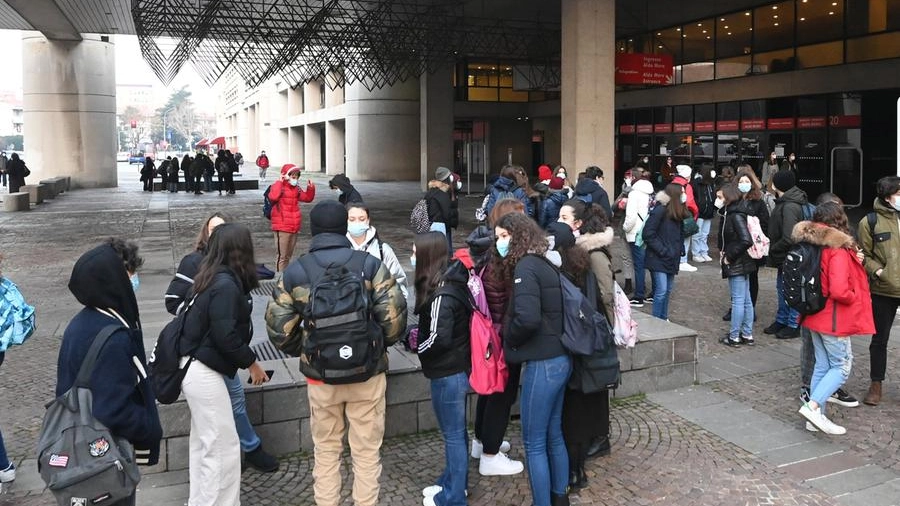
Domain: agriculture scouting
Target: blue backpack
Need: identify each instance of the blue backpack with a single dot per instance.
(585, 329)
(267, 204)
(16, 316)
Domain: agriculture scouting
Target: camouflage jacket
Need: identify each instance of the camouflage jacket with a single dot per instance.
(291, 294)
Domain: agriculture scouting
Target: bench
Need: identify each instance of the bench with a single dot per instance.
(38, 192)
(18, 201)
(57, 185)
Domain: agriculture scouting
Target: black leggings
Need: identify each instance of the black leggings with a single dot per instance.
(584, 417)
(492, 412)
(884, 309)
(754, 286)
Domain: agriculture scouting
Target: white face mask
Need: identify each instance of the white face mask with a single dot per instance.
(628, 182)
(712, 174)
(895, 203)
(719, 203)
(459, 185)
(683, 198)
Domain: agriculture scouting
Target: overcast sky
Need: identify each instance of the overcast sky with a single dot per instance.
(130, 69)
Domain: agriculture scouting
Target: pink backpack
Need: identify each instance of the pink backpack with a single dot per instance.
(489, 373)
(760, 246)
(625, 329)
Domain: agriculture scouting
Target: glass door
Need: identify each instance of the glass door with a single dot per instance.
(812, 173)
(846, 174)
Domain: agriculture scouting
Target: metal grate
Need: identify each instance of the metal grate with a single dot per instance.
(267, 351)
(265, 287)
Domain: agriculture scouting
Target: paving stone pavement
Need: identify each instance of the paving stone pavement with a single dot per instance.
(663, 452)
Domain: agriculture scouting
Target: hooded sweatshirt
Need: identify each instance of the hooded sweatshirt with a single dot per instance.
(123, 399)
(598, 195)
(637, 208)
(348, 191)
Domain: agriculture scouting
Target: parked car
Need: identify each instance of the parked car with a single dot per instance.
(136, 158)
(122, 156)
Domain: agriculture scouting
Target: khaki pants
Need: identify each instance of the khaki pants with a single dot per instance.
(284, 249)
(364, 405)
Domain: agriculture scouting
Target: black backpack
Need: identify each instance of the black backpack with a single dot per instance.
(166, 373)
(585, 329)
(344, 343)
(267, 204)
(802, 278)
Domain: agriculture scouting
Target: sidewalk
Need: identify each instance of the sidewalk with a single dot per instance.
(734, 439)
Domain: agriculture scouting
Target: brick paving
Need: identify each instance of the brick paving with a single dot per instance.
(658, 457)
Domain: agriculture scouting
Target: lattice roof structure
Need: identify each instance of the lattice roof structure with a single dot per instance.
(373, 42)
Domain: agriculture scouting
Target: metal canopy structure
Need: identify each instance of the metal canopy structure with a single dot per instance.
(372, 42)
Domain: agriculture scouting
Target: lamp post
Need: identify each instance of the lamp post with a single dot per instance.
(165, 130)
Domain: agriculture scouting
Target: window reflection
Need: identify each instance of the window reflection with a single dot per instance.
(773, 26)
(819, 20)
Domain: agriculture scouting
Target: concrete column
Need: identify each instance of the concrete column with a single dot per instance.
(334, 147)
(312, 148)
(435, 123)
(69, 90)
(295, 145)
(588, 86)
(382, 132)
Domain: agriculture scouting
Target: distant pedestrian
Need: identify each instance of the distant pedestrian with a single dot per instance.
(148, 171)
(231, 168)
(186, 168)
(209, 169)
(286, 196)
(3, 161)
(346, 192)
(17, 172)
(262, 162)
(222, 169)
(197, 170)
(104, 280)
(173, 175)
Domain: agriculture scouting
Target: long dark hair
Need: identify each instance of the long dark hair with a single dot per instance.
(731, 193)
(675, 210)
(431, 262)
(230, 245)
(525, 237)
(832, 214)
(203, 234)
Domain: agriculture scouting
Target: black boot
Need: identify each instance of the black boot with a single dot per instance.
(261, 460)
(559, 500)
(599, 446)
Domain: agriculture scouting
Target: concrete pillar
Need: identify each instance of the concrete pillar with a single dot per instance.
(69, 90)
(334, 147)
(382, 132)
(588, 86)
(435, 123)
(312, 148)
(295, 145)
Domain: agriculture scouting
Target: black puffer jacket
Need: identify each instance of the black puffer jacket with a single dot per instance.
(440, 209)
(181, 284)
(734, 240)
(534, 323)
(444, 326)
(787, 213)
(222, 310)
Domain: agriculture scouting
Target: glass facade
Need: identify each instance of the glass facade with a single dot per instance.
(493, 82)
(777, 37)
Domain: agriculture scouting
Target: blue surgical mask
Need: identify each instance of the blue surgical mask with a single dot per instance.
(744, 187)
(294, 182)
(412, 261)
(357, 228)
(135, 282)
(503, 247)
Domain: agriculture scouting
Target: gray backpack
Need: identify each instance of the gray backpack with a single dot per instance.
(78, 458)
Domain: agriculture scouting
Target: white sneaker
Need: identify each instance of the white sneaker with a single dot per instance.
(428, 500)
(686, 267)
(810, 427)
(432, 491)
(821, 421)
(700, 259)
(499, 465)
(478, 448)
(9, 474)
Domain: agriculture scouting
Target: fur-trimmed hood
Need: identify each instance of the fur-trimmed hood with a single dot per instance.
(440, 185)
(662, 198)
(821, 235)
(590, 242)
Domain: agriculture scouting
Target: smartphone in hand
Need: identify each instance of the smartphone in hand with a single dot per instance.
(269, 373)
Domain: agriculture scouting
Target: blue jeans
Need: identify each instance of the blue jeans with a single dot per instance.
(662, 289)
(834, 358)
(246, 434)
(785, 315)
(207, 179)
(543, 386)
(741, 308)
(637, 256)
(448, 398)
(699, 240)
(4, 460)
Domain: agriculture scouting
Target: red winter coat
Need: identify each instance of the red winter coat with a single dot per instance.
(286, 205)
(848, 309)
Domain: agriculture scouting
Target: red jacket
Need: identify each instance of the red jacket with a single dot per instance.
(848, 309)
(286, 205)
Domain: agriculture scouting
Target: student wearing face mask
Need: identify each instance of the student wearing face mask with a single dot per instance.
(441, 214)
(879, 238)
(734, 241)
(286, 196)
(704, 189)
(345, 192)
(665, 244)
(790, 163)
(364, 237)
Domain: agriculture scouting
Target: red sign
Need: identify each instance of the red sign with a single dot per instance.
(781, 123)
(626, 129)
(844, 121)
(644, 129)
(704, 126)
(642, 68)
(683, 127)
(812, 122)
(726, 125)
(662, 128)
(753, 124)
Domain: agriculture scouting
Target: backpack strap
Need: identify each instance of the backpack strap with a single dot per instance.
(90, 360)
(872, 219)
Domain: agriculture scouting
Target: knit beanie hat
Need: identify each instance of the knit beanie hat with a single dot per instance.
(684, 171)
(328, 216)
(784, 180)
(441, 173)
(557, 183)
(544, 173)
(562, 234)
